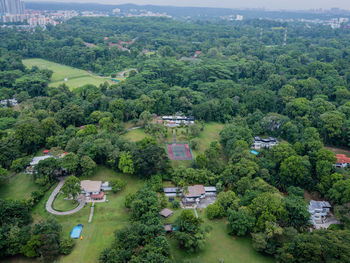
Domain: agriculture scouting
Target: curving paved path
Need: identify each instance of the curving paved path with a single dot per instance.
(52, 199)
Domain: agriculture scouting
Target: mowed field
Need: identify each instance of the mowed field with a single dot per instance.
(75, 77)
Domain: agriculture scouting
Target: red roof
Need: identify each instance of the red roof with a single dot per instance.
(46, 151)
(100, 195)
(342, 158)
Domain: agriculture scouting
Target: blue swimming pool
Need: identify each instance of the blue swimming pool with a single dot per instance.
(76, 232)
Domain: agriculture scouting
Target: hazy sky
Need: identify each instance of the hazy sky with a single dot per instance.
(269, 4)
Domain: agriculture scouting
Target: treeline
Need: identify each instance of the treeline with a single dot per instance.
(19, 235)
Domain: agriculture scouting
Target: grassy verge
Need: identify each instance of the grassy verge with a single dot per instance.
(63, 205)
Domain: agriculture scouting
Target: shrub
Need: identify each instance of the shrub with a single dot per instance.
(117, 185)
(194, 143)
(66, 246)
(176, 204)
(36, 196)
(20, 164)
(215, 211)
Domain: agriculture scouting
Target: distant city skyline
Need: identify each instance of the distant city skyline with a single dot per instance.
(267, 4)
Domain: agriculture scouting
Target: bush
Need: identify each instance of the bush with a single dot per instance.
(117, 185)
(156, 183)
(129, 198)
(176, 204)
(36, 196)
(336, 227)
(215, 211)
(241, 222)
(66, 246)
(194, 143)
(296, 191)
(20, 164)
(163, 201)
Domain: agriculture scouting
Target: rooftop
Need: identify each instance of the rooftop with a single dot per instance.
(171, 189)
(318, 205)
(195, 191)
(166, 212)
(342, 158)
(210, 188)
(91, 186)
(37, 159)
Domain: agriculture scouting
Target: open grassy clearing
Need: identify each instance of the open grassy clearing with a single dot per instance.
(76, 77)
(219, 246)
(19, 186)
(135, 135)
(108, 217)
(63, 205)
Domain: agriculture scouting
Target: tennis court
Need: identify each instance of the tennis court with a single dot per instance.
(179, 152)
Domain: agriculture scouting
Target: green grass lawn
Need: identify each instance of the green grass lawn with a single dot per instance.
(19, 187)
(76, 77)
(108, 217)
(219, 245)
(63, 205)
(135, 135)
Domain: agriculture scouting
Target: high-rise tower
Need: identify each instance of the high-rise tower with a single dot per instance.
(11, 7)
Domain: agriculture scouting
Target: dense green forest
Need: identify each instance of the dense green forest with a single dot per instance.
(245, 78)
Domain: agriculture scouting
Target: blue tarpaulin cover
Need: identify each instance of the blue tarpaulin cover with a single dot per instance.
(76, 232)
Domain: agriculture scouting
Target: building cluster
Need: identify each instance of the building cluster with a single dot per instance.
(334, 23)
(149, 14)
(9, 103)
(194, 57)
(174, 121)
(13, 11)
(233, 17)
(193, 195)
(37, 18)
